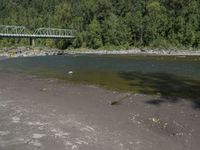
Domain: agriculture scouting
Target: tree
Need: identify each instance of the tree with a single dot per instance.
(99, 23)
(156, 21)
(93, 35)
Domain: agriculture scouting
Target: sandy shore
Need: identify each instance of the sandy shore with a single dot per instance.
(48, 114)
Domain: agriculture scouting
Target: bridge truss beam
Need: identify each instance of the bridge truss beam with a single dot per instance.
(13, 30)
(53, 32)
(7, 31)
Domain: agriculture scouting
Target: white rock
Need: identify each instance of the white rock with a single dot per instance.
(70, 72)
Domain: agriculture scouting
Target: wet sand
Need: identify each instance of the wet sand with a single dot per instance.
(48, 114)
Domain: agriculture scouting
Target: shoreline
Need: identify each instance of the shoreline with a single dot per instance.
(142, 52)
(31, 52)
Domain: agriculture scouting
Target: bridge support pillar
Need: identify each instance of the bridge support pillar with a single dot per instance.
(32, 42)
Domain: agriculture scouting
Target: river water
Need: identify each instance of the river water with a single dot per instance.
(173, 76)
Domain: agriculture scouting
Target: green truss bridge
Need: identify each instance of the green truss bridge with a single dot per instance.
(7, 31)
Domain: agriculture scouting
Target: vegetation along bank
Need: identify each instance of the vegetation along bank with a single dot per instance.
(107, 24)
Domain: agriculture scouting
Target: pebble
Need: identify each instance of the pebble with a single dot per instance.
(43, 90)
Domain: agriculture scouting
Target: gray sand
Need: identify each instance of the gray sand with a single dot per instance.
(46, 114)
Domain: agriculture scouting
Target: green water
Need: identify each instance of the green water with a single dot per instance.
(169, 76)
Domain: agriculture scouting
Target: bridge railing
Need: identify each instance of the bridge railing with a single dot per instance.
(21, 31)
(54, 32)
(14, 30)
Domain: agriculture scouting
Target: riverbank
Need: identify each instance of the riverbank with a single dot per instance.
(48, 114)
(137, 51)
(38, 51)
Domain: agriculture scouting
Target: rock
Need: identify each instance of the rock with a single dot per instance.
(43, 90)
(38, 136)
(155, 120)
(60, 53)
(113, 102)
(70, 72)
(158, 94)
(165, 125)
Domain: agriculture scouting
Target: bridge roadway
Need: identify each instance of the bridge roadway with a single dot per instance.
(34, 36)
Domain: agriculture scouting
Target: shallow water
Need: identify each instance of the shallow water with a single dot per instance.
(168, 76)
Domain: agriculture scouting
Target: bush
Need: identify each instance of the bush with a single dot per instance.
(160, 43)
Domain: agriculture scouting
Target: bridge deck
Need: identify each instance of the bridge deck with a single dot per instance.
(34, 36)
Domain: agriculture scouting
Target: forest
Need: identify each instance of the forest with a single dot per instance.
(108, 23)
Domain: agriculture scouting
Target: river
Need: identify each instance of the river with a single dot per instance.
(173, 76)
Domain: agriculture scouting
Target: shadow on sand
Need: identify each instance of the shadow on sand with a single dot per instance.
(171, 88)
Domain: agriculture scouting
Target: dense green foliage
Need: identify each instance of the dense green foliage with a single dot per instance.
(105, 23)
